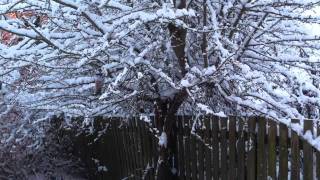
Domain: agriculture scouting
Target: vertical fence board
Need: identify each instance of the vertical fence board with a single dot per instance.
(107, 141)
(105, 150)
(180, 147)
(187, 147)
(200, 159)
(193, 153)
(174, 149)
(123, 148)
(261, 153)
(241, 150)
(251, 146)
(155, 154)
(119, 147)
(147, 129)
(148, 150)
(307, 153)
(208, 142)
(295, 154)
(272, 153)
(112, 141)
(318, 153)
(232, 148)
(111, 150)
(154, 147)
(127, 142)
(140, 146)
(144, 149)
(132, 147)
(283, 155)
(224, 148)
(215, 147)
(122, 141)
(117, 153)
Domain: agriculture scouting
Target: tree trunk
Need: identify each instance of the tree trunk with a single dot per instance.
(165, 115)
(165, 110)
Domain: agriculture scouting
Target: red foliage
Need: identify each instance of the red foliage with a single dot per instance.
(8, 38)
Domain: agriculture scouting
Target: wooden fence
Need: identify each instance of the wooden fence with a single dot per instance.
(212, 148)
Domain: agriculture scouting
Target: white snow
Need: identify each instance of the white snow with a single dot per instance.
(207, 110)
(163, 140)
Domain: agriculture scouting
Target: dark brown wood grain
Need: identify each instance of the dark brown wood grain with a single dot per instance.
(283, 155)
(272, 151)
(215, 147)
(232, 148)
(251, 149)
(241, 151)
(295, 154)
(224, 148)
(307, 153)
(261, 150)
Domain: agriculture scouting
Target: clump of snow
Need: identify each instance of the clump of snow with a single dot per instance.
(209, 71)
(145, 118)
(140, 75)
(102, 168)
(207, 110)
(185, 83)
(163, 140)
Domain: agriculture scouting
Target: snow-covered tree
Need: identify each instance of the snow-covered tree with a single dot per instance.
(98, 57)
